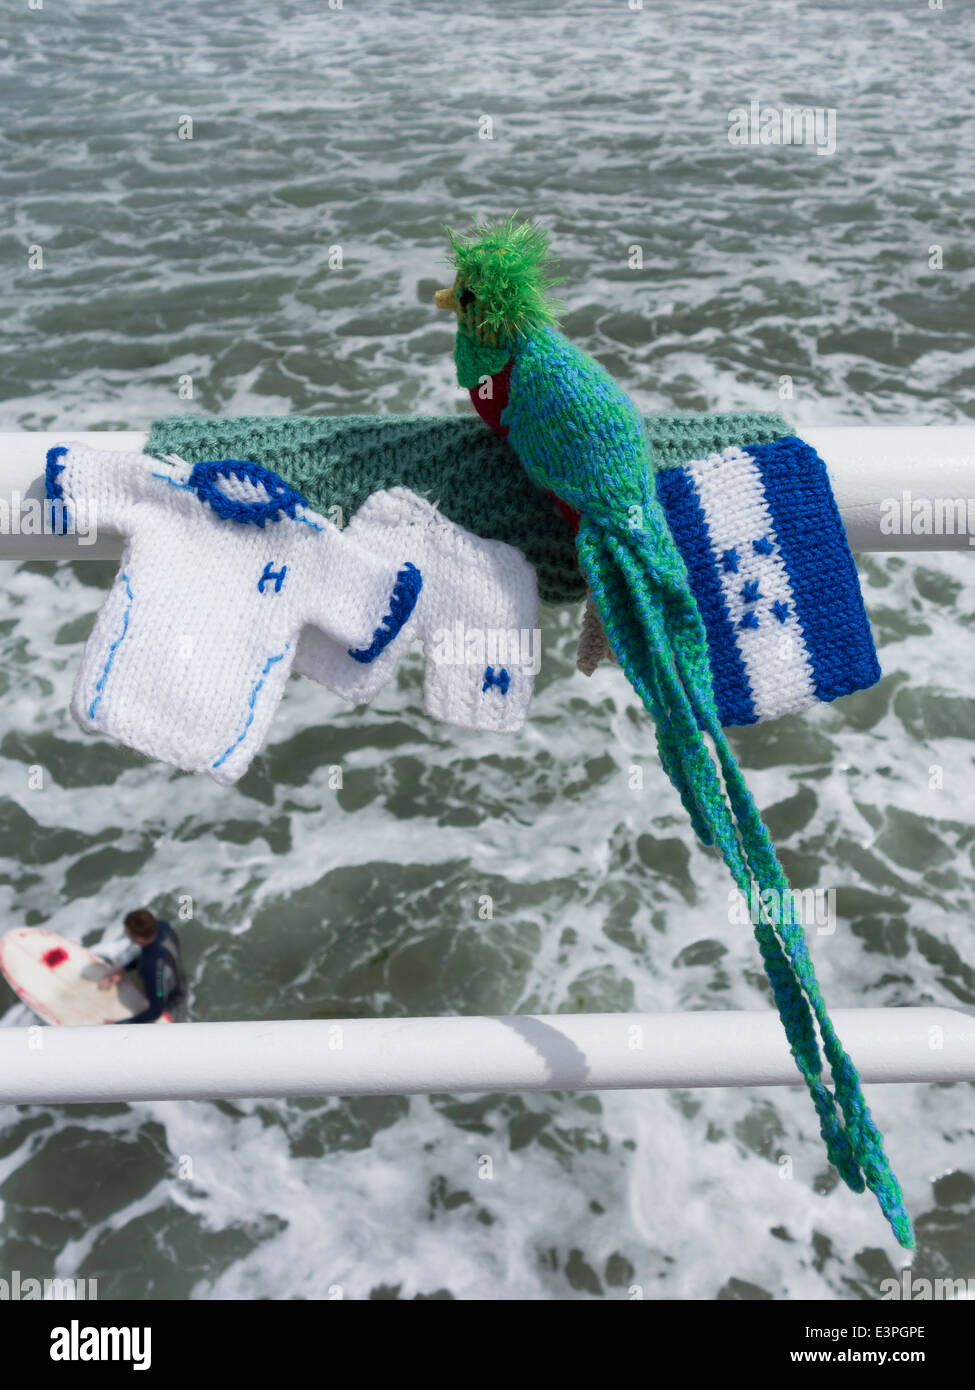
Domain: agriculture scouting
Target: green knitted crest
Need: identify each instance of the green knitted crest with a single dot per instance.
(506, 266)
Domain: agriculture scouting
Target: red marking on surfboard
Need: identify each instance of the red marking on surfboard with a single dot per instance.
(54, 957)
(45, 1011)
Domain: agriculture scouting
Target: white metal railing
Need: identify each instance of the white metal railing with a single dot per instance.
(868, 465)
(523, 1052)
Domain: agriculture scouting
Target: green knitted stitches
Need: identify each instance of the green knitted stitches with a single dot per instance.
(653, 626)
(505, 265)
(677, 695)
(339, 461)
(676, 439)
(475, 360)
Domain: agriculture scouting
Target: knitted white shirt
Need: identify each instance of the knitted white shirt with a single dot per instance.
(223, 566)
(476, 618)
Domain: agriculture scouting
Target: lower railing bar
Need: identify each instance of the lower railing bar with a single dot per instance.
(523, 1052)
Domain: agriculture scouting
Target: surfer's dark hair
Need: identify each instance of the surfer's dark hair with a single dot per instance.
(141, 925)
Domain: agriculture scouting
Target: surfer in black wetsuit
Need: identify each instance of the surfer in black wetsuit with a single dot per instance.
(159, 963)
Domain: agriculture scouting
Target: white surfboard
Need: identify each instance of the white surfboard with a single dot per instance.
(59, 978)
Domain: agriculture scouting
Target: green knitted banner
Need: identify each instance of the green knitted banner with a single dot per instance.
(338, 461)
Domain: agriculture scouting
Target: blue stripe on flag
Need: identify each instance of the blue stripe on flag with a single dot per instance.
(824, 579)
(680, 501)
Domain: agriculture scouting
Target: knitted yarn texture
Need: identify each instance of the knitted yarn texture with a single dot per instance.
(476, 479)
(479, 480)
(776, 585)
(223, 565)
(476, 619)
(577, 433)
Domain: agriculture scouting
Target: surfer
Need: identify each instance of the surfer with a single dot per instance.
(153, 946)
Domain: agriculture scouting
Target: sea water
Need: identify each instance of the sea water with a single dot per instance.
(240, 210)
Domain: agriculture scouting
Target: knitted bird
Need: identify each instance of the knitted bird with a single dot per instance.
(579, 436)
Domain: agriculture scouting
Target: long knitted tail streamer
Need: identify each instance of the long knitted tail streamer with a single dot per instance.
(640, 586)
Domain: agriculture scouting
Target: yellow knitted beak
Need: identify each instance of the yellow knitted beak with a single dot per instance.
(445, 299)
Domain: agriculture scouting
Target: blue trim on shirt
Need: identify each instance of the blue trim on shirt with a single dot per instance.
(282, 499)
(406, 591)
(113, 649)
(54, 487)
(251, 705)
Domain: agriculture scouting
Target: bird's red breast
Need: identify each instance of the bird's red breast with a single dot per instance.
(490, 405)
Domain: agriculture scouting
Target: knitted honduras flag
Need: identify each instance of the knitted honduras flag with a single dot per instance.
(773, 576)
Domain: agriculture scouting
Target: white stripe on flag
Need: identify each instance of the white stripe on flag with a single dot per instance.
(774, 653)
